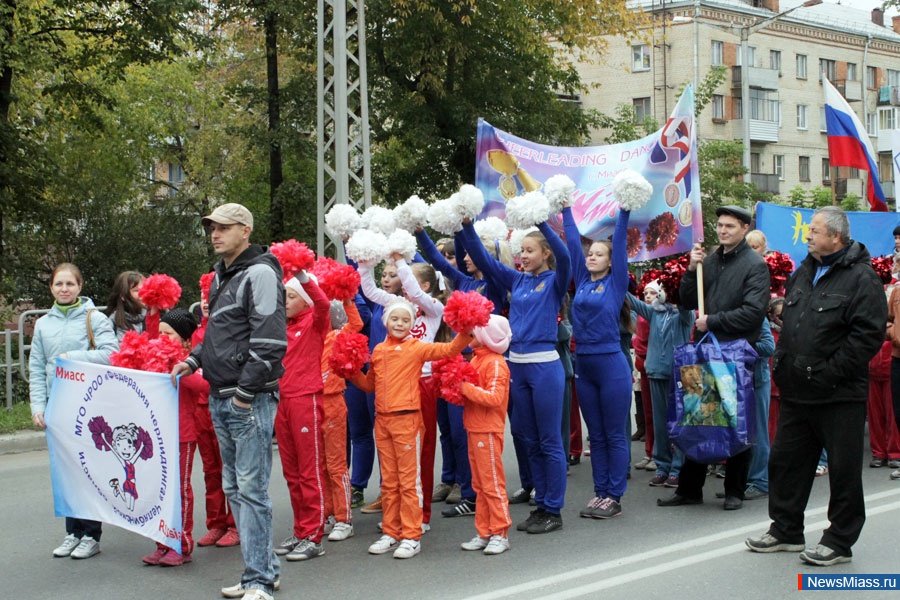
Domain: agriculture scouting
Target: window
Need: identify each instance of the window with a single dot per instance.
(642, 110)
(778, 166)
(778, 108)
(802, 110)
(775, 60)
(801, 66)
(828, 68)
(751, 57)
(738, 108)
(887, 119)
(872, 124)
(718, 53)
(823, 121)
(826, 172)
(754, 162)
(640, 58)
(871, 77)
(851, 71)
(803, 168)
(176, 178)
(893, 77)
(718, 107)
(763, 105)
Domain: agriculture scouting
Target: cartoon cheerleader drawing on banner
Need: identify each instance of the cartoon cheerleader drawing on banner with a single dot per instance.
(128, 443)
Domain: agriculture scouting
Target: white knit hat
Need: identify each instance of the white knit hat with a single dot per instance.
(398, 304)
(294, 284)
(496, 335)
(655, 285)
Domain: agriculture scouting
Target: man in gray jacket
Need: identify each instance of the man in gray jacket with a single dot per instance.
(241, 359)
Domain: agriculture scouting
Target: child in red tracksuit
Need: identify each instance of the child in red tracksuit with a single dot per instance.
(179, 325)
(484, 417)
(298, 422)
(396, 365)
(344, 317)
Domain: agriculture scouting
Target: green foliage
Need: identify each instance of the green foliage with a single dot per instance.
(851, 202)
(624, 127)
(821, 196)
(799, 196)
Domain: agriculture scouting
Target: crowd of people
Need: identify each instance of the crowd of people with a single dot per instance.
(256, 367)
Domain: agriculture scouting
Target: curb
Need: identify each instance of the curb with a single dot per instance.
(22, 441)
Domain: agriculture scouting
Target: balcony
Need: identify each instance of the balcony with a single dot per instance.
(851, 90)
(888, 188)
(760, 131)
(765, 182)
(763, 79)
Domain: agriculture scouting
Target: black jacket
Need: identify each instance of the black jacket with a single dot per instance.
(831, 330)
(736, 287)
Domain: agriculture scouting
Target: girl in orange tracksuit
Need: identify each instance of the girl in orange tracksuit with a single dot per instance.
(337, 475)
(396, 365)
(484, 417)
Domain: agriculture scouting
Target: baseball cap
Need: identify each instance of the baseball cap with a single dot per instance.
(229, 214)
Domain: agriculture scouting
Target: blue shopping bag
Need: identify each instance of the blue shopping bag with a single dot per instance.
(711, 401)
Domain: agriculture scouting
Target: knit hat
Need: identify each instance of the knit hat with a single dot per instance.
(338, 314)
(660, 292)
(398, 304)
(495, 335)
(294, 284)
(182, 321)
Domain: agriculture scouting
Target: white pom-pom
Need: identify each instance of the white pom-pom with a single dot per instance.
(442, 217)
(403, 242)
(492, 228)
(527, 210)
(380, 219)
(412, 214)
(631, 190)
(470, 201)
(559, 190)
(515, 239)
(341, 221)
(366, 246)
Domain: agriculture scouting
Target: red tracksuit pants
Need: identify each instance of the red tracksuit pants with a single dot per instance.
(337, 475)
(218, 512)
(883, 436)
(489, 482)
(429, 389)
(186, 463)
(298, 428)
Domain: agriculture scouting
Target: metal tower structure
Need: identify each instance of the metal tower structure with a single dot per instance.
(343, 153)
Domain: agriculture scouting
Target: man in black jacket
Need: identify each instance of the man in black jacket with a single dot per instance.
(736, 292)
(834, 317)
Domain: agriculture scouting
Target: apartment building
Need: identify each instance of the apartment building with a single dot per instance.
(785, 100)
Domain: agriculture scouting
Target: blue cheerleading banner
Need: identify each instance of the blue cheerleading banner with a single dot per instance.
(786, 228)
(508, 166)
(112, 435)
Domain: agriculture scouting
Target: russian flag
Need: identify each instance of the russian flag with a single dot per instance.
(848, 143)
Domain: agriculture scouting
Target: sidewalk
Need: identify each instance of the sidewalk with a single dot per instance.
(22, 441)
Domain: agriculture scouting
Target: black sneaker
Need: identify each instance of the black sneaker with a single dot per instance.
(520, 496)
(464, 508)
(533, 517)
(357, 497)
(549, 522)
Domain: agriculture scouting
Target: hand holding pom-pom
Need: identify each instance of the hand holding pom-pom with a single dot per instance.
(443, 217)
(467, 310)
(402, 242)
(451, 373)
(516, 238)
(338, 281)
(527, 210)
(412, 214)
(781, 266)
(349, 354)
(470, 201)
(631, 190)
(559, 190)
(379, 219)
(160, 291)
(492, 228)
(294, 257)
(367, 247)
(342, 221)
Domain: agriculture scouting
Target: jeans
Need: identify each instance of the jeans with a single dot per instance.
(758, 476)
(668, 461)
(245, 441)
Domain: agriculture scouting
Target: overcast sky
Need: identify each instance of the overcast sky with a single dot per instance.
(865, 5)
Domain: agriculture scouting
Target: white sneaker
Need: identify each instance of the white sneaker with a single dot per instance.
(257, 594)
(87, 548)
(285, 547)
(408, 549)
(426, 527)
(65, 549)
(340, 532)
(476, 543)
(238, 591)
(497, 545)
(384, 544)
(329, 524)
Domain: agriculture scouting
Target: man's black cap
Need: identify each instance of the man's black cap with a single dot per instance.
(739, 213)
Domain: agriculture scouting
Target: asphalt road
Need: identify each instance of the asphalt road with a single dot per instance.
(692, 552)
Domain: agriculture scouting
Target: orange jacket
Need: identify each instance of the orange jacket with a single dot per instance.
(396, 367)
(485, 409)
(354, 324)
(893, 328)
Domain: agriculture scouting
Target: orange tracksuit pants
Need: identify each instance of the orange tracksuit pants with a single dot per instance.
(298, 428)
(489, 482)
(337, 475)
(398, 437)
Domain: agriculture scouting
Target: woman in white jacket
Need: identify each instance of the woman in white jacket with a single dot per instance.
(65, 332)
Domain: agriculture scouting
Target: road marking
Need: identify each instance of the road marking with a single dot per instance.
(529, 587)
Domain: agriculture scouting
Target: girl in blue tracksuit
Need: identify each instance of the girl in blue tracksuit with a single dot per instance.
(537, 374)
(603, 378)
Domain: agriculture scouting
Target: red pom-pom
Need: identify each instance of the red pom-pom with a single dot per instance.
(205, 284)
(294, 257)
(160, 291)
(349, 354)
(338, 281)
(661, 231)
(466, 311)
(780, 268)
(669, 277)
(451, 372)
(139, 352)
(883, 266)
